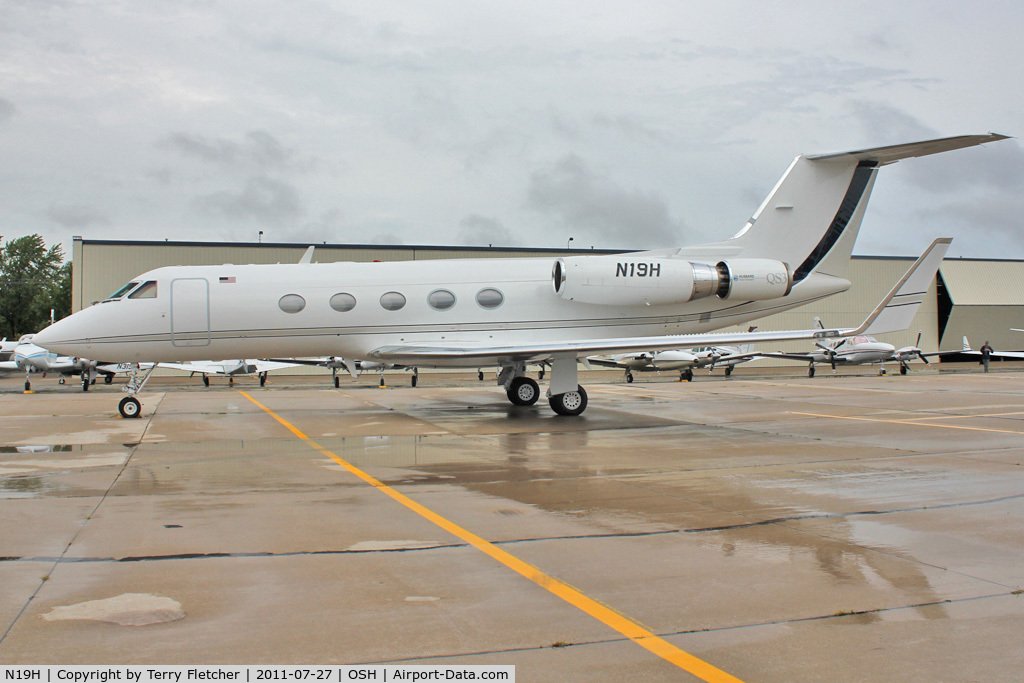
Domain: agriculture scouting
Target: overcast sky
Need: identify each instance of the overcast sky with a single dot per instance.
(626, 125)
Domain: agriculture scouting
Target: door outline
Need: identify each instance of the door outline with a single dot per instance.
(190, 319)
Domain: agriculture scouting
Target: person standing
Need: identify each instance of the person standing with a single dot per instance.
(986, 354)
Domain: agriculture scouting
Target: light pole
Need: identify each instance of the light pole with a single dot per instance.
(567, 243)
(259, 238)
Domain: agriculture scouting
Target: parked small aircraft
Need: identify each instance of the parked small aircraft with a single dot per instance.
(230, 368)
(349, 365)
(855, 350)
(471, 313)
(6, 349)
(966, 350)
(683, 360)
(34, 359)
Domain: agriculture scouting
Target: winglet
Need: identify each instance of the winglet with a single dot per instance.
(897, 309)
(966, 346)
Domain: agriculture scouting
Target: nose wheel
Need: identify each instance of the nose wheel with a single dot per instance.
(129, 407)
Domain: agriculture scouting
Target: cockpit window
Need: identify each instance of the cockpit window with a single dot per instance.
(146, 291)
(122, 291)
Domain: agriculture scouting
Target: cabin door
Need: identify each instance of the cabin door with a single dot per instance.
(190, 312)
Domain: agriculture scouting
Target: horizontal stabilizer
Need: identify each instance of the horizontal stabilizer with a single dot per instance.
(893, 153)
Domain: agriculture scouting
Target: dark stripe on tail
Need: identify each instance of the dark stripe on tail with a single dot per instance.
(854, 193)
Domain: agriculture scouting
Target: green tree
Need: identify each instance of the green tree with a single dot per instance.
(32, 281)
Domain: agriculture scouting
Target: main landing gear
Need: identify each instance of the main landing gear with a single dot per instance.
(523, 391)
(565, 395)
(686, 375)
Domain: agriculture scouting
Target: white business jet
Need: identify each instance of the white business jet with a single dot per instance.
(794, 250)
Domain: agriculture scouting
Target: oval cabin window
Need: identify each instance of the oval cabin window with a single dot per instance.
(392, 301)
(343, 302)
(489, 298)
(441, 299)
(291, 303)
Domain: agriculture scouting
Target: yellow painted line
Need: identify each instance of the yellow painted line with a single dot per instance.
(606, 615)
(962, 417)
(913, 423)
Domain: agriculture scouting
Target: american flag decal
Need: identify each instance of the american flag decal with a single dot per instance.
(228, 279)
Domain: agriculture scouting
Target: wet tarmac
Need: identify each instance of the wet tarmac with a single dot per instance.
(779, 528)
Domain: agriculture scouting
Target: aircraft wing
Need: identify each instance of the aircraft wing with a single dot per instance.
(806, 357)
(455, 353)
(604, 362)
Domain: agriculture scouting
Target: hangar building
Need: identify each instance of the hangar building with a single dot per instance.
(981, 299)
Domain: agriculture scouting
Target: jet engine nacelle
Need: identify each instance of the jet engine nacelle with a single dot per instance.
(631, 280)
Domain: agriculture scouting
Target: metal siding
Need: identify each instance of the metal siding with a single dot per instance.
(984, 283)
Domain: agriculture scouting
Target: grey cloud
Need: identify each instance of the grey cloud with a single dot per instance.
(598, 208)
(979, 220)
(892, 124)
(262, 199)
(630, 127)
(479, 230)
(258, 149)
(77, 216)
(7, 109)
(998, 165)
(385, 238)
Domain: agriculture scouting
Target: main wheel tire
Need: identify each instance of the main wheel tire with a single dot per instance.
(108, 379)
(206, 381)
(61, 380)
(810, 371)
(28, 385)
(413, 381)
(903, 369)
(263, 379)
(480, 375)
(570, 403)
(687, 375)
(129, 407)
(523, 391)
(85, 383)
(540, 375)
(728, 370)
(337, 382)
(629, 378)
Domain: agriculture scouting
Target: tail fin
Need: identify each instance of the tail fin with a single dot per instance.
(810, 219)
(900, 310)
(966, 346)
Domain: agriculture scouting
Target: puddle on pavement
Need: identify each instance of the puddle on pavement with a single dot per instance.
(23, 467)
(62, 448)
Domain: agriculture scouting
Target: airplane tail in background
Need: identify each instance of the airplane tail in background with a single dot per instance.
(811, 217)
(899, 312)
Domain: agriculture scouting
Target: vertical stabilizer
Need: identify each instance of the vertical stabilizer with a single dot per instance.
(811, 218)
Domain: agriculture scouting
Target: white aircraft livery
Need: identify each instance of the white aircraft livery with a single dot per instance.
(794, 250)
